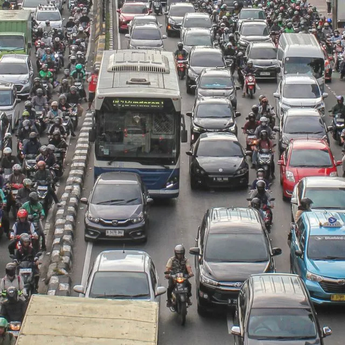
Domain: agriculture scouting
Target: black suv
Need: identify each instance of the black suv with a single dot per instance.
(212, 114)
(252, 31)
(231, 244)
(175, 16)
(217, 82)
(276, 309)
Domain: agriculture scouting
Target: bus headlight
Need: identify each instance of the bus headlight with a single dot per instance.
(171, 182)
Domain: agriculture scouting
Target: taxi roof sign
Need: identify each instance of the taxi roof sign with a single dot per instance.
(331, 223)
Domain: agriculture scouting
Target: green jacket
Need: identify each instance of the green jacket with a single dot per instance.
(33, 209)
(289, 31)
(7, 339)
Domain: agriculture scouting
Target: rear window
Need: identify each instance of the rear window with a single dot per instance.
(245, 14)
(202, 59)
(34, 3)
(52, 16)
(178, 11)
(214, 110)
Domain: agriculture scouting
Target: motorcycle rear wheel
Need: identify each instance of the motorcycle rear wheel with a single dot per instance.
(183, 312)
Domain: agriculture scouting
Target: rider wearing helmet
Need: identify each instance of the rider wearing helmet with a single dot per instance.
(54, 111)
(261, 192)
(37, 85)
(47, 28)
(25, 130)
(72, 64)
(339, 108)
(73, 97)
(11, 278)
(260, 175)
(305, 206)
(248, 69)
(57, 125)
(13, 308)
(178, 264)
(8, 160)
(57, 140)
(21, 226)
(80, 58)
(40, 100)
(180, 53)
(251, 124)
(32, 146)
(46, 156)
(79, 76)
(23, 193)
(64, 87)
(289, 28)
(263, 126)
(17, 177)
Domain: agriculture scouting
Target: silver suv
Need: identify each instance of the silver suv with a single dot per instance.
(17, 69)
(9, 102)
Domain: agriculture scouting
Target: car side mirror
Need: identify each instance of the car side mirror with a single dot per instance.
(249, 153)
(193, 87)
(326, 331)
(118, 11)
(324, 95)
(294, 201)
(236, 330)
(149, 200)
(149, 11)
(237, 114)
(164, 37)
(79, 289)
(298, 253)
(330, 128)
(128, 36)
(29, 44)
(280, 162)
(194, 251)
(189, 153)
(275, 129)
(84, 201)
(276, 251)
(161, 290)
(338, 163)
(184, 136)
(276, 95)
(166, 13)
(278, 69)
(189, 114)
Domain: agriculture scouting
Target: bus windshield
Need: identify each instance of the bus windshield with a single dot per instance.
(305, 65)
(141, 130)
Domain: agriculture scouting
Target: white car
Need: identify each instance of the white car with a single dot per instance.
(51, 13)
(141, 20)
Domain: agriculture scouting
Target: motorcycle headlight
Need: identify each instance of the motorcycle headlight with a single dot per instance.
(171, 21)
(314, 277)
(92, 219)
(192, 74)
(289, 176)
(137, 219)
(200, 171)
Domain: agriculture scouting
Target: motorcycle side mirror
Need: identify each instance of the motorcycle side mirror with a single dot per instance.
(329, 128)
(84, 201)
(189, 114)
(276, 95)
(276, 251)
(272, 199)
(18, 100)
(189, 153)
(248, 153)
(128, 36)
(249, 199)
(275, 129)
(193, 87)
(298, 253)
(149, 200)
(164, 37)
(166, 13)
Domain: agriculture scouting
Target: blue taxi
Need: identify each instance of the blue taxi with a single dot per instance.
(317, 254)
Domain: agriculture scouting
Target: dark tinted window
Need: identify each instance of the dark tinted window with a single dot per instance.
(120, 285)
(254, 30)
(245, 14)
(216, 82)
(116, 194)
(236, 248)
(180, 11)
(53, 16)
(198, 22)
(219, 148)
(310, 158)
(326, 247)
(206, 59)
(281, 323)
(303, 124)
(214, 110)
(11, 68)
(263, 53)
(327, 198)
(194, 39)
(301, 91)
(146, 34)
(6, 98)
(138, 9)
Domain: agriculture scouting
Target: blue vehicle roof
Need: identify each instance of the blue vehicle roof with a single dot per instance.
(325, 222)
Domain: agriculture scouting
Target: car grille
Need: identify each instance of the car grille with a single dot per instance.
(331, 287)
(115, 222)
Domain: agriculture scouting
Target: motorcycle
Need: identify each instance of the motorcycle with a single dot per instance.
(181, 68)
(251, 141)
(80, 88)
(157, 6)
(74, 115)
(179, 296)
(29, 166)
(60, 157)
(44, 198)
(250, 85)
(267, 215)
(338, 124)
(264, 161)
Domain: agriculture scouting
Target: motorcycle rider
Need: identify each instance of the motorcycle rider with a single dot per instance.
(64, 87)
(39, 54)
(23, 194)
(66, 75)
(43, 174)
(12, 279)
(33, 145)
(47, 28)
(339, 108)
(63, 105)
(77, 15)
(39, 100)
(178, 264)
(58, 141)
(54, 111)
(81, 35)
(47, 40)
(84, 19)
(260, 175)
(25, 130)
(57, 125)
(251, 124)
(255, 111)
(70, 23)
(256, 203)
(6, 338)
(247, 70)
(8, 160)
(17, 177)
(79, 75)
(46, 75)
(180, 52)
(289, 28)
(47, 53)
(73, 97)
(46, 156)
(13, 309)
(6, 5)
(37, 85)
(264, 127)
(21, 226)
(266, 110)
(261, 192)
(80, 58)
(305, 206)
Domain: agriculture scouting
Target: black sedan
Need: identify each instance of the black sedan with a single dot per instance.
(117, 208)
(217, 160)
(212, 114)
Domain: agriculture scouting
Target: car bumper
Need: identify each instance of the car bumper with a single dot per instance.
(123, 26)
(98, 232)
(222, 181)
(265, 73)
(319, 296)
(288, 188)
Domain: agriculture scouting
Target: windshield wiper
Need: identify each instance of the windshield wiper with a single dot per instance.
(138, 295)
(109, 201)
(130, 200)
(120, 295)
(333, 257)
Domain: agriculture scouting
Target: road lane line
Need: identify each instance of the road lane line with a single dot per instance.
(86, 267)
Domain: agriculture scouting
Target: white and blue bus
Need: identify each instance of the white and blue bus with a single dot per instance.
(138, 126)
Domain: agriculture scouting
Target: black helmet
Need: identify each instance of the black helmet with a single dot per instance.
(306, 203)
(251, 116)
(180, 45)
(260, 170)
(262, 133)
(12, 293)
(179, 249)
(11, 269)
(33, 197)
(240, 54)
(261, 185)
(255, 203)
(255, 109)
(39, 92)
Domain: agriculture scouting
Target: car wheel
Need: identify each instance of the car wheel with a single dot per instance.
(291, 266)
(189, 90)
(168, 33)
(285, 198)
(193, 183)
(87, 239)
(201, 310)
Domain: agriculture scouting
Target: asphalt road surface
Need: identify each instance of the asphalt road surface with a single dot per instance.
(176, 221)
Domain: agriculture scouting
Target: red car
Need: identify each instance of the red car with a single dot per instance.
(303, 158)
(130, 10)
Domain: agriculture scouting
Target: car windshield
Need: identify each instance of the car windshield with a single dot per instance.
(216, 82)
(146, 34)
(178, 11)
(219, 148)
(242, 247)
(137, 9)
(303, 125)
(263, 53)
(301, 91)
(12, 42)
(302, 65)
(137, 1)
(326, 198)
(254, 30)
(310, 159)
(194, 39)
(267, 323)
(214, 110)
(207, 60)
(120, 285)
(245, 14)
(6, 98)
(116, 194)
(143, 20)
(34, 3)
(322, 247)
(52, 16)
(13, 68)
(198, 22)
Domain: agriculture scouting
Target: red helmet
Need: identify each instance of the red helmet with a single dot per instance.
(41, 164)
(22, 214)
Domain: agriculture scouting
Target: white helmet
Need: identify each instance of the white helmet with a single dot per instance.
(263, 119)
(7, 150)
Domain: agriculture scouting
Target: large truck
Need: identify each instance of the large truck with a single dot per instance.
(15, 32)
(57, 320)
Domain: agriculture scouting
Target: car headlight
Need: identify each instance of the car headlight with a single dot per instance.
(25, 81)
(200, 171)
(333, 174)
(241, 171)
(137, 219)
(243, 42)
(192, 74)
(314, 277)
(197, 128)
(289, 176)
(171, 21)
(206, 280)
(92, 219)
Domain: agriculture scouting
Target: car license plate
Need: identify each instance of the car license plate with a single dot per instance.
(338, 297)
(25, 270)
(221, 179)
(42, 187)
(265, 73)
(232, 301)
(115, 233)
